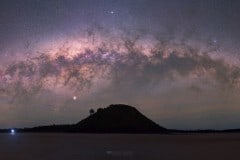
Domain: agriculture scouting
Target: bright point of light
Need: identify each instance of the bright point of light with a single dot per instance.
(12, 131)
(74, 97)
(112, 12)
(214, 40)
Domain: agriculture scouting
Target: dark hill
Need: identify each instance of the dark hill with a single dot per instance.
(119, 118)
(116, 118)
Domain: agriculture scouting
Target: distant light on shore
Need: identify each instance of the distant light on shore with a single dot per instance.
(12, 131)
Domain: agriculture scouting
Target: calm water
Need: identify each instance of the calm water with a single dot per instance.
(121, 147)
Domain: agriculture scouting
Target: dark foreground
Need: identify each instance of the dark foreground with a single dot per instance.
(27, 146)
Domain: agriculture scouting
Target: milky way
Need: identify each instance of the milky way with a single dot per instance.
(183, 74)
(127, 62)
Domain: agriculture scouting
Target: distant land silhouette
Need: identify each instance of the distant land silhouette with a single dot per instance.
(119, 118)
(116, 118)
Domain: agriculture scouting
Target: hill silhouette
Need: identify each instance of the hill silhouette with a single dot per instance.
(118, 118)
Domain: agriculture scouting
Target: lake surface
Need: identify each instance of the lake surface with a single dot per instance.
(33, 146)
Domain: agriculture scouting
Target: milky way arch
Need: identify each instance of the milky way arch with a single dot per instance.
(133, 61)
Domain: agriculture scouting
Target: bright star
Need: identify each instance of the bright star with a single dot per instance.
(74, 97)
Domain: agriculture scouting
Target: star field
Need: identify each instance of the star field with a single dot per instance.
(177, 61)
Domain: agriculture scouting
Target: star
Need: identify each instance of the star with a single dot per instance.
(214, 40)
(74, 98)
(112, 12)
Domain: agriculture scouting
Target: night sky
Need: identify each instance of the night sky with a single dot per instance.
(177, 61)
